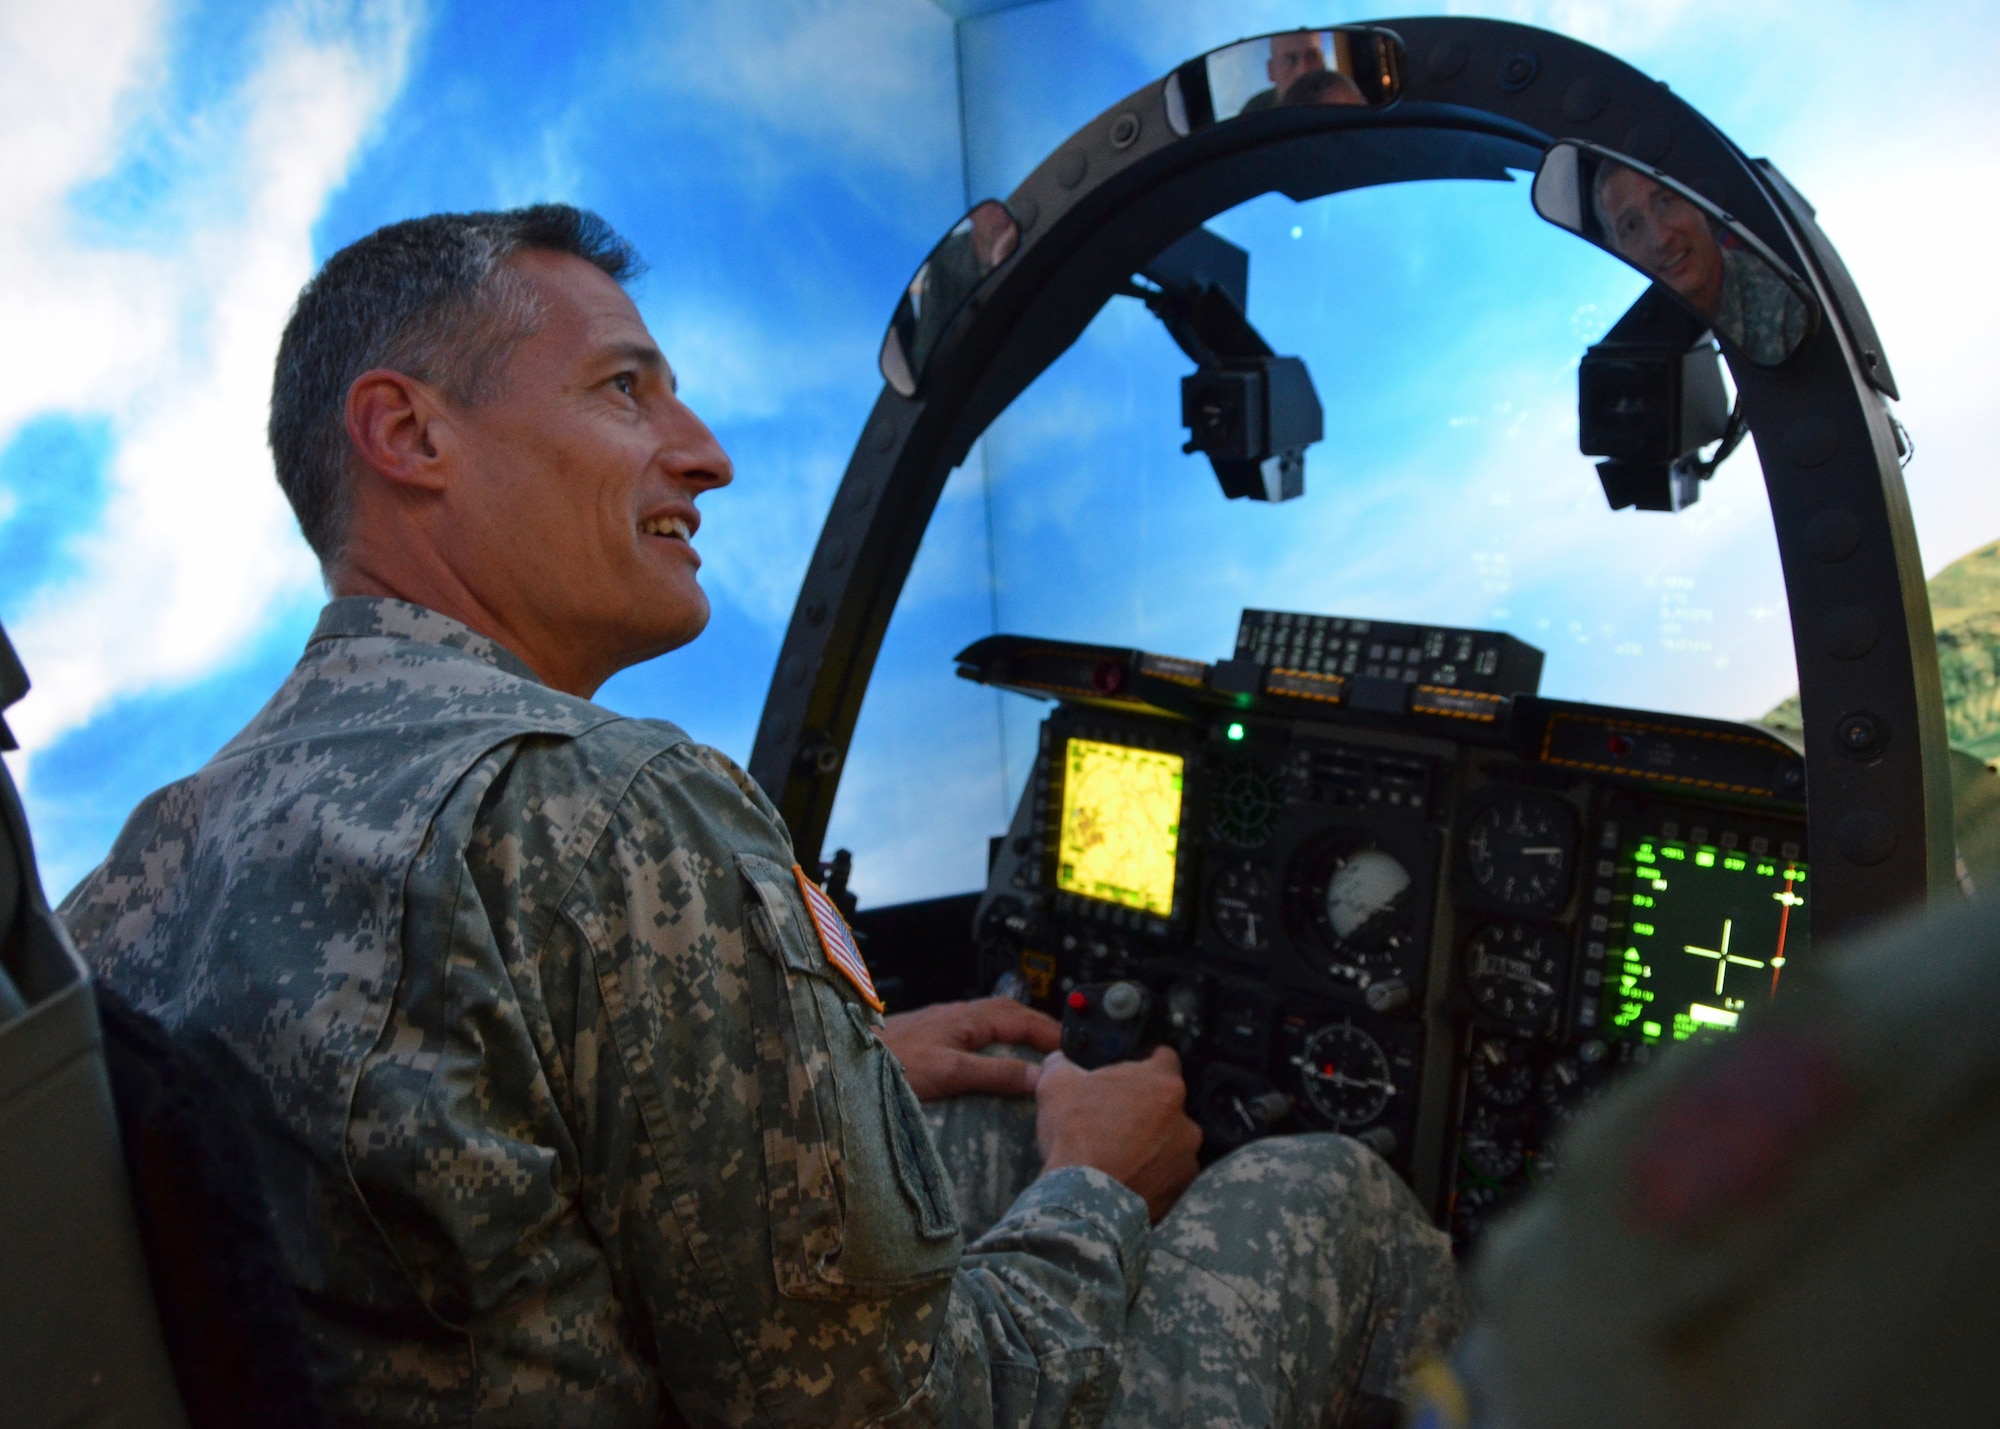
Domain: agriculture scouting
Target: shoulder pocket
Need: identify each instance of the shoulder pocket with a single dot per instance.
(859, 1199)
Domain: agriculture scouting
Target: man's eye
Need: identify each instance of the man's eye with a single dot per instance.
(627, 383)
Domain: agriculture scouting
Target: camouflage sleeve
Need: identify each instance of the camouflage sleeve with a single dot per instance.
(758, 1167)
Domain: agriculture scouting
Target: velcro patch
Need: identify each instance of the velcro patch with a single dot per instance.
(1730, 1139)
(837, 939)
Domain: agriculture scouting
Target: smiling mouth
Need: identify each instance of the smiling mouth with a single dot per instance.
(669, 527)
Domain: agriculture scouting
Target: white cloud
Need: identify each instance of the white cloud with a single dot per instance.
(195, 550)
(871, 79)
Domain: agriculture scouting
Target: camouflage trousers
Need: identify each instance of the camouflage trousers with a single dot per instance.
(1296, 1283)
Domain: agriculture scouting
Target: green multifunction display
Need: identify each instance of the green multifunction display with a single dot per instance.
(1708, 934)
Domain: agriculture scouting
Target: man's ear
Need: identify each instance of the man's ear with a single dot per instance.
(395, 423)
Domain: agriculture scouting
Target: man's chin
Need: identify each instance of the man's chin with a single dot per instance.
(669, 632)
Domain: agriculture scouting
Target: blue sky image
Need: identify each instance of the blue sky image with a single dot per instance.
(175, 171)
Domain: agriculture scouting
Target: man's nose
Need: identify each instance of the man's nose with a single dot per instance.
(692, 453)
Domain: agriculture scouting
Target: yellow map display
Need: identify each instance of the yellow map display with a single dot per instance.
(1121, 824)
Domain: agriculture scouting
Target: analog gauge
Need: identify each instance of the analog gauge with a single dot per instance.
(1358, 898)
(1472, 1207)
(1514, 971)
(1345, 1074)
(1562, 1085)
(1239, 903)
(1501, 1072)
(1520, 850)
(1491, 1147)
(1246, 806)
(1566, 1088)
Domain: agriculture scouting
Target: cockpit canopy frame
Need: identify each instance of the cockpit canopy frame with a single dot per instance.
(1475, 99)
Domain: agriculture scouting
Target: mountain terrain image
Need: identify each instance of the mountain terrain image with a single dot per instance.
(1965, 612)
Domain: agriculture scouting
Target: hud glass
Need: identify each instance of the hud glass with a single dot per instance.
(1673, 235)
(1354, 67)
(977, 244)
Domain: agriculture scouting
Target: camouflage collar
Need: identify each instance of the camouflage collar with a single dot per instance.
(356, 616)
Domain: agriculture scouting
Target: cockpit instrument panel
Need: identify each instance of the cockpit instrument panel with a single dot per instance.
(1393, 893)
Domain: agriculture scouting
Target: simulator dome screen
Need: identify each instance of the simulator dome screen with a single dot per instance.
(1121, 824)
(1710, 933)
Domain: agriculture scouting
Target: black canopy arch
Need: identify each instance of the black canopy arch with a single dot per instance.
(1479, 98)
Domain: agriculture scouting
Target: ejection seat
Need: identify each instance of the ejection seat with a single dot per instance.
(80, 1341)
(141, 1283)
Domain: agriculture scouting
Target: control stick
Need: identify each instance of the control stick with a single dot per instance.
(1106, 1022)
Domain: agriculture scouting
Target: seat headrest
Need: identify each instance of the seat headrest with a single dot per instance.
(13, 685)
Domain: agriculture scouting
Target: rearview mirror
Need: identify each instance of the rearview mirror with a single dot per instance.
(1712, 264)
(1355, 66)
(976, 245)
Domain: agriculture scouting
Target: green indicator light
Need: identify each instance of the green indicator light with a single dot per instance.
(1673, 853)
(1643, 930)
(1705, 858)
(1651, 1029)
(1735, 864)
(1797, 875)
(1767, 870)
(1644, 855)
(1640, 900)
(1235, 731)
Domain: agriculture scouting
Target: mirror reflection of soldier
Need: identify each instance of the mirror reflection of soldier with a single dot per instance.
(1324, 86)
(1668, 238)
(976, 245)
(1789, 1226)
(1293, 57)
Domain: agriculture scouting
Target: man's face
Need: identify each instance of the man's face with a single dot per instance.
(574, 511)
(1665, 235)
(1292, 56)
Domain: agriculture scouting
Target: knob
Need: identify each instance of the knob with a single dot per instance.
(1268, 1109)
(1123, 1000)
(1388, 994)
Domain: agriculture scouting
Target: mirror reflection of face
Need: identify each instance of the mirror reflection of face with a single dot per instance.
(1293, 56)
(1662, 234)
(1323, 86)
(994, 235)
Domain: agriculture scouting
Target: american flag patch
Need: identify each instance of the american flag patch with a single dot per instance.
(837, 940)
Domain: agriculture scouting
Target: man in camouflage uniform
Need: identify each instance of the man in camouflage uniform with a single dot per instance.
(572, 1109)
(1790, 1228)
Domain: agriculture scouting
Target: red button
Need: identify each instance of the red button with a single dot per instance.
(1078, 1001)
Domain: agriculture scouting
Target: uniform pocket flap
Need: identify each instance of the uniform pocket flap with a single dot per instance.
(787, 933)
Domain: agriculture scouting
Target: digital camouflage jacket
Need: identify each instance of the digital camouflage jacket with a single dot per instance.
(559, 1101)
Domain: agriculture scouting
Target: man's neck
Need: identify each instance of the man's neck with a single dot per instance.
(442, 591)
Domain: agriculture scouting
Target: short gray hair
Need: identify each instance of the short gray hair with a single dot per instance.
(430, 298)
